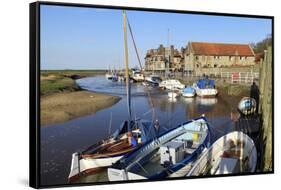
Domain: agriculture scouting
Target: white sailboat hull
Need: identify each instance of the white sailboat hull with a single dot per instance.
(85, 165)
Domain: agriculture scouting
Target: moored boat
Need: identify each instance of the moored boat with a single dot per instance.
(171, 84)
(205, 88)
(161, 157)
(153, 80)
(188, 92)
(247, 106)
(108, 75)
(114, 77)
(106, 152)
(231, 154)
(137, 76)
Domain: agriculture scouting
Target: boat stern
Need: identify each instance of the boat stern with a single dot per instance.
(75, 166)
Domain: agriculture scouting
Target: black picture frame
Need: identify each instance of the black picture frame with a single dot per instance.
(34, 93)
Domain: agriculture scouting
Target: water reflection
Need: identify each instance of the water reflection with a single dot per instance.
(207, 101)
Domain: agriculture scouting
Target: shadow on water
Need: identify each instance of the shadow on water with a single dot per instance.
(59, 141)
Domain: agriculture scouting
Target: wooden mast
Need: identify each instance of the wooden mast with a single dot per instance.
(127, 65)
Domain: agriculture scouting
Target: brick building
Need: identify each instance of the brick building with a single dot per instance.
(199, 55)
(164, 59)
(215, 55)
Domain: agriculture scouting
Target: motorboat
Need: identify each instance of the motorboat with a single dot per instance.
(205, 88)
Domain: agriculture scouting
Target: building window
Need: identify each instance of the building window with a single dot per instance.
(242, 58)
(215, 65)
(217, 57)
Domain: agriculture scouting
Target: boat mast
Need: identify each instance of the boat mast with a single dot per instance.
(127, 66)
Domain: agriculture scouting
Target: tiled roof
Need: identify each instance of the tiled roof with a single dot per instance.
(204, 48)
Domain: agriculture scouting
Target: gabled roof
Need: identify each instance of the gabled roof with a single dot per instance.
(205, 48)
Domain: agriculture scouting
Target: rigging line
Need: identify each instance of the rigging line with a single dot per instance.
(147, 112)
(169, 119)
(110, 123)
(134, 108)
(135, 46)
(136, 50)
(220, 130)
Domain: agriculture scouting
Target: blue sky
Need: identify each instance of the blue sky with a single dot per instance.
(88, 38)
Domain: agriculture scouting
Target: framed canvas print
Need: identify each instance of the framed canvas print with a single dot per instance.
(122, 94)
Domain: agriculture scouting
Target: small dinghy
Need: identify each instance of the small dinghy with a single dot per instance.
(188, 92)
(247, 106)
(165, 155)
(233, 153)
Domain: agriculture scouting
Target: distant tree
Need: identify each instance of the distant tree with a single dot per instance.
(259, 47)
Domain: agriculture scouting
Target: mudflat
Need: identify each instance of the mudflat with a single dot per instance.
(63, 106)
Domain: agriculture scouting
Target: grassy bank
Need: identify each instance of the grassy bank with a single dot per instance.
(55, 83)
(62, 99)
(82, 73)
(234, 89)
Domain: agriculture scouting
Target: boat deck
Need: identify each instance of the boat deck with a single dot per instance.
(110, 149)
(154, 165)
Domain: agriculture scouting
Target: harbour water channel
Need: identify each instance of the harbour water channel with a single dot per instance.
(59, 141)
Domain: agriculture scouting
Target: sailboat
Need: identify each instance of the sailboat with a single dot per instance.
(125, 139)
(109, 74)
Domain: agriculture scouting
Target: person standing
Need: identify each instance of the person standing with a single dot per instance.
(255, 94)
